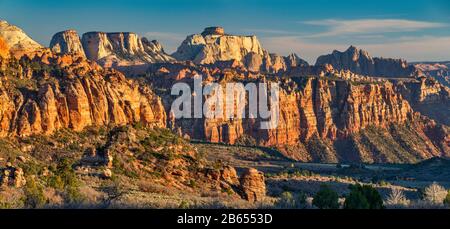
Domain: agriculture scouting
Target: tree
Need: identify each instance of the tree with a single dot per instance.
(435, 193)
(396, 198)
(34, 195)
(326, 198)
(356, 200)
(289, 200)
(363, 197)
(447, 199)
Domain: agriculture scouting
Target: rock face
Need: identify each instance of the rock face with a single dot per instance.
(213, 45)
(438, 70)
(67, 42)
(429, 97)
(12, 176)
(17, 40)
(253, 187)
(360, 62)
(122, 49)
(4, 49)
(72, 93)
(317, 115)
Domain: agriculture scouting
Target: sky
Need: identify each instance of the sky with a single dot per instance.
(415, 30)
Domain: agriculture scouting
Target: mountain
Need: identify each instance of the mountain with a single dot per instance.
(360, 62)
(438, 70)
(214, 45)
(67, 42)
(122, 49)
(17, 40)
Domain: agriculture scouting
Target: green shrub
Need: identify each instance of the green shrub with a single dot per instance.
(326, 198)
(356, 200)
(363, 197)
(447, 199)
(34, 195)
(291, 200)
(65, 180)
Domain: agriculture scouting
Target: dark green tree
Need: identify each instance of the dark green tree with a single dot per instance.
(326, 198)
(363, 197)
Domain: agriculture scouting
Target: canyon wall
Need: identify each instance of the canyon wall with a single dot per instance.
(50, 92)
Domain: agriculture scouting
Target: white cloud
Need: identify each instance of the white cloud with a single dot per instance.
(370, 26)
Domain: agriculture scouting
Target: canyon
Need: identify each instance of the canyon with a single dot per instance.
(326, 117)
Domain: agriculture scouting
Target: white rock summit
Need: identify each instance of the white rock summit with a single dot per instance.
(122, 49)
(17, 40)
(214, 45)
(67, 41)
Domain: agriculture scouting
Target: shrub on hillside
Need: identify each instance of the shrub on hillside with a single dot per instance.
(363, 197)
(34, 195)
(292, 201)
(326, 198)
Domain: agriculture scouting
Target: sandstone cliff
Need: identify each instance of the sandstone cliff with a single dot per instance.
(213, 45)
(50, 92)
(67, 42)
(17, 40)
(122, 49)
(360, 62)
(429, 97)
(320, 119)
(4, 49)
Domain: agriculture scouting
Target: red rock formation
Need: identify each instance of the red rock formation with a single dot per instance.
(253, 187)
(4, 50)
(79, 95)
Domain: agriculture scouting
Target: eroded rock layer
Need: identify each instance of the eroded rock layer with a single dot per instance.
(318, 116)
(50, 92)
(214, 45)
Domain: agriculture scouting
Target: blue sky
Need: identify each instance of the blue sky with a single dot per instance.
(415, 30)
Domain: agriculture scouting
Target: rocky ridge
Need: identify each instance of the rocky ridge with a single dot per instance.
(214, 45)
(360, 62)
(118, 49)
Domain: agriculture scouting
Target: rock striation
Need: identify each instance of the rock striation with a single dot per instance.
(360, 62)
(67, 91)
(253, 187)
(316, 113)
(67, 42)
(122, 49)
(214, 45)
